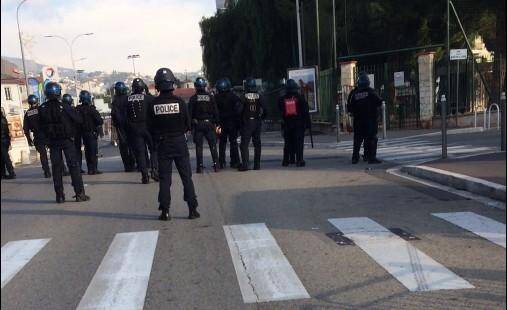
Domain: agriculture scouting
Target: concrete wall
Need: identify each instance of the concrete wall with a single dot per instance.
(426, 64)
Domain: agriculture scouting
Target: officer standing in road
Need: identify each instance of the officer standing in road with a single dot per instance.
(204, 115)
(67, 99)
(363, 103)
(252, 111)
(296, 118)
(56, 119)
(31, 123)
(118, 117)
(138, 133)
(228, 105)
(168, 121)
(7, 168)
(89, 130)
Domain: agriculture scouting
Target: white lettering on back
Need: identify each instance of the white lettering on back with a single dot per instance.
(166, 108)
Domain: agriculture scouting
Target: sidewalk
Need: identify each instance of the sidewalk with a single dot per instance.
(481, 174)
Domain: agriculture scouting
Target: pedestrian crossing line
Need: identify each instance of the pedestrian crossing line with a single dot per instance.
(122, 278)
(16, 254)
(264, 273)
(410, 266)
(480, 225)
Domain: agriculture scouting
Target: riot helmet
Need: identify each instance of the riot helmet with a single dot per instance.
(200, 84)
(291, 86)
(138, 86)
(52, 91)
(120, 88)
(66, 98)
(85, 97)
(33, 100)
(250, 85)
(164, 80)
(223, 85)
(363, 81)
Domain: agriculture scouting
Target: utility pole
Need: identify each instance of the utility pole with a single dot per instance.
(25, 73)
(335, 60)
(300, 46)
(443, 101)
(133, 64)
(318, 31)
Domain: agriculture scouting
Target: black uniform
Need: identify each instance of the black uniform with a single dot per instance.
(168, 121)
(204, 115)
(89, 131)
(139, 135)
(118, 117)
(228, 105)
(7, 168)
(296, 118)
(363, 104)
(58, 124)
(252, 111)
(31, 123)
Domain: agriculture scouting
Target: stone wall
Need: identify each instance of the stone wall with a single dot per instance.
(426, 64)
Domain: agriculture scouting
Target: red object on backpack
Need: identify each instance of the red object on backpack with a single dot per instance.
(290, 107)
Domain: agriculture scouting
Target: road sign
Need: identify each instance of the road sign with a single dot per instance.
(399, 79)
(459, 54)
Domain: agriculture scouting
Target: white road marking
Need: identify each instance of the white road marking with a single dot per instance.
(264, 273)
(482, 226)
(16, 254)
(122, 278)
(414, 269)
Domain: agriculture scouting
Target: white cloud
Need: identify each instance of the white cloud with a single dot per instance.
(165, 33)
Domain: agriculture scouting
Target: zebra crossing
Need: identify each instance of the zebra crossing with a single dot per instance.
(264, 273)
(416, 149)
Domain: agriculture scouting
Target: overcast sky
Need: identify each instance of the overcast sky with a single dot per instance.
(165, 33)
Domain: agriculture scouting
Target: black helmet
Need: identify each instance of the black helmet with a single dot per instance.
(291, 86)
(33, 100)
(85, 97)
(250, 85)
(164, 80)
(138, 86)
(120, 88)
(363, 81)
(52, 90)
(66, 98)
(223, 85)
(200, 84)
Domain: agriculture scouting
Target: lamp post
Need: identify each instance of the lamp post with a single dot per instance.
(133, 64)
(70, 45)
(22, 49)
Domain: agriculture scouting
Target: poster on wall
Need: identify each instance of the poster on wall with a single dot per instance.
(49, 74)
(33, 87)
(307, 80)
(15, 126)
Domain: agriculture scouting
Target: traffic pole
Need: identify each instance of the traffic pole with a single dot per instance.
(502, 121)
(443, 104)
(338, 123)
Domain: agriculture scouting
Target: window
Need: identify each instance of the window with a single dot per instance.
(7, 93)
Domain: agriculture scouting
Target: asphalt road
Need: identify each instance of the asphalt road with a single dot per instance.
(192, 266)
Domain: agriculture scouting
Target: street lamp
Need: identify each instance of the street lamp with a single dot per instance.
(133, 64)
(21, 44)
(69, 45)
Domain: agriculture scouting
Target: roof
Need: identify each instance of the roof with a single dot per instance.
(10, 80)
(10, 70)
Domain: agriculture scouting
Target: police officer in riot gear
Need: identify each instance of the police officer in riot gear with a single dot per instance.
(118, 118)
(89, 130)
(228, 105)
(31, 123)
(204, 115)
(168, 121)
(67, 99)
(7, 168)
(296, 118)
(252, 111)
(56, 119)
(363, 103)
(138, 133)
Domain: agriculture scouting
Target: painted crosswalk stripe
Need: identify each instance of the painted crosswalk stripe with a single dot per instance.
(414, 269)
(264, 273)
(122, 278)
(16, 254)
(482, 226)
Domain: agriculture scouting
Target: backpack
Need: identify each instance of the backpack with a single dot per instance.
(290, 105)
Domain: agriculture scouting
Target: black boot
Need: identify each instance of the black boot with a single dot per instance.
(192, 213)
(60, 197)
(47, 174)
(198, 170)
(301, 164)
(154, 175)
(82, 197)
(164, 215)
(145, 178)
(355, 160)
(215, 167)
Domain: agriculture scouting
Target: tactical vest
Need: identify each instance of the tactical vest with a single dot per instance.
(88, 124)
(136, 112)
(252, 106)
(168, 116)
(52, 119)
(226, 105)
(203, 107)
(32, 116)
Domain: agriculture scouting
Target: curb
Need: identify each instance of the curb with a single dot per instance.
(458, 181)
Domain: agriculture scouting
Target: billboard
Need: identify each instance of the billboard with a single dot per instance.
(49, 74)
(307, 80)
(33, 86)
